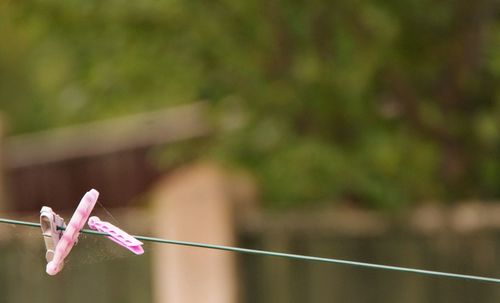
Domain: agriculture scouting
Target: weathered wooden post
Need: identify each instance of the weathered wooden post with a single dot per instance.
(194, 204)
(3, 195)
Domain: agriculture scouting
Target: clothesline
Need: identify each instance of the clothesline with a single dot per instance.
(280, 255)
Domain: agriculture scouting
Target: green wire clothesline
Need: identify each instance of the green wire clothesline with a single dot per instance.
(281, 255)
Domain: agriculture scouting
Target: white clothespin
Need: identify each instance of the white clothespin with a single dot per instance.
(49, 222)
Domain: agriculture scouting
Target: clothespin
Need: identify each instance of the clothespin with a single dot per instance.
(117, 235)
(52, 225)
(59, 245)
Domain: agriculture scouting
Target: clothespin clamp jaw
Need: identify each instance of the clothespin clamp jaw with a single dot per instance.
(52, 229)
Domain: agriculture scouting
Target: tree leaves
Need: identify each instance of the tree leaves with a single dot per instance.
(379, 103)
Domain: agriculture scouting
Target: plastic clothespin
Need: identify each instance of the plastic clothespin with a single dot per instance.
(71, 233)
(117, 235)
(51, 224)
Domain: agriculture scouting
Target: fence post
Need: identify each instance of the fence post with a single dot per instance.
(3, 195)
(194, 204)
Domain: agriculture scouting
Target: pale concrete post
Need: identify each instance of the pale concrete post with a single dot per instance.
(194, 204)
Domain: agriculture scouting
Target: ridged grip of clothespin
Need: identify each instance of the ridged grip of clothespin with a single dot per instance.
(72, 231)
(117, 235)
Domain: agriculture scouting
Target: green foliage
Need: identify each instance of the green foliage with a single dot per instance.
(380, 103)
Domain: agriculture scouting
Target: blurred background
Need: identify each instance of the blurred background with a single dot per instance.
(365, 130)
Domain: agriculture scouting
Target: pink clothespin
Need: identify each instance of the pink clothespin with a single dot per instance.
(63, 244)
(117, 235)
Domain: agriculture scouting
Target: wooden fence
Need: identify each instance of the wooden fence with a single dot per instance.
(115, 156)
(443, 248)
(99, 271)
